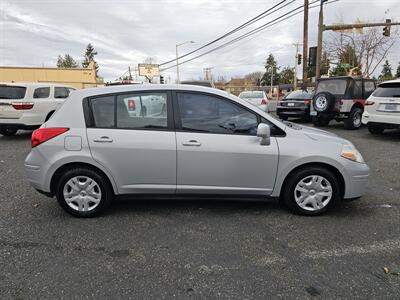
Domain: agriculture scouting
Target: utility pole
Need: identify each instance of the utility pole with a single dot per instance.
(305, 44)
(272, 78)
(319, 45)
(130, 74)
(295, 66)
(177, 56)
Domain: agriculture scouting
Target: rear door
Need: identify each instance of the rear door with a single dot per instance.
(135, 142)
(218, 150)
(10, 94)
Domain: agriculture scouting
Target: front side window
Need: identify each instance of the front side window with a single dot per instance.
(43, 92)
(103, 111)
(137, 111)
(204, 113)
(61, 92)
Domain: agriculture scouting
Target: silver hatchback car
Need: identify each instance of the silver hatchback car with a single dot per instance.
(181, 140)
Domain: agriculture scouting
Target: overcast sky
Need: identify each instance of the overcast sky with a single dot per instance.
(126, 32)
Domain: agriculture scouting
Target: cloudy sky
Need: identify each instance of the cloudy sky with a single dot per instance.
(126, 32)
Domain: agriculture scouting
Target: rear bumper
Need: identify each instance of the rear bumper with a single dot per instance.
(391, 121)
(293, 111)
(36, 167)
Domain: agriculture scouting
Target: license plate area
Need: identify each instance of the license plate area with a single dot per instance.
(389, 107)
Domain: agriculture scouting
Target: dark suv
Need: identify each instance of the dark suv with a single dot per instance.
(342, 99)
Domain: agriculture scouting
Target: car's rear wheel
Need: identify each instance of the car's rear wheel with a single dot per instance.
(354, 119)
(83, 192)
(320, 121)
(8, 131)
(375, 129)
(311, 191)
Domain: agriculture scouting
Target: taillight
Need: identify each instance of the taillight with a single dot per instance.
(42, 135)
(264, 102)
(131, 105)
(369, 102)
(22, 105)
(307, 102)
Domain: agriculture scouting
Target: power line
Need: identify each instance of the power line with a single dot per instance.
(264, 14)
(277, 20)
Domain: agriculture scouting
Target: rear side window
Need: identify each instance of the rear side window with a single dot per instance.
(388, 90)
(61, 92)
(43, 92)
(358, 90)
(137, 111)
(103, 111)
(12, 92)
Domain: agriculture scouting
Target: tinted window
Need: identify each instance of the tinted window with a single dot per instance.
(61, 92)
(205, 113)
(103, 111)
(358, 89)
(333, 86)
(142, 111)
(12, 92)
(369, 87)
(43, 92)
(299, 94)
(388, 90)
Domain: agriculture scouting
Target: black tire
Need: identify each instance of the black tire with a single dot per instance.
(104, 185)
(353, 120)
(8, 131)
(324, 102)
(320, 121)
(288, 190)
(284, 118)
(375, 129)
(49, 116)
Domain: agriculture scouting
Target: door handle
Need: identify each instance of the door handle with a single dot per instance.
(103, 139)
(191, 143)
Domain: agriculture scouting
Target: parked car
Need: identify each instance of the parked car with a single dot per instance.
(342, 99)
(296, 104)
(206, 142)
(382, 109)
(257, 98)
(28, 105)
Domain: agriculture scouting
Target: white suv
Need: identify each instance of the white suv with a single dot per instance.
(382, 109)
(28, 105)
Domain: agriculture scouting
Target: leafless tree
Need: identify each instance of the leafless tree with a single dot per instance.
(254, 76)
(370, 48)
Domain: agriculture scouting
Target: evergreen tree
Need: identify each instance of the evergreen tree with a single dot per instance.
(89, 55)
(386, 73)
(66, 62)
(270, 67)
(286, 76)
(398, 71)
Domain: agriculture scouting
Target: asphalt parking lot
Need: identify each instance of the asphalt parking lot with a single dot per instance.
(145, 249)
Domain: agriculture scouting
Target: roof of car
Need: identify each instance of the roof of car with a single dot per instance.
(34, 84)
(146, 87)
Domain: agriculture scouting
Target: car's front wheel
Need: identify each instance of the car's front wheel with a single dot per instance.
(311, 191)
(8, 131)
(83, 192)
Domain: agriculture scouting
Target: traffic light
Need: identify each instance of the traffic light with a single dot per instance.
(161, 79)
(386, 29)
(298, 58)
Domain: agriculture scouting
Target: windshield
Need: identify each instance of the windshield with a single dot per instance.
(12, 92)
(388, 90)
(300, 94)
(251, 95)
(333, 86)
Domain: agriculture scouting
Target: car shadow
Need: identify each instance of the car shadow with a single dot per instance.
(21, 135)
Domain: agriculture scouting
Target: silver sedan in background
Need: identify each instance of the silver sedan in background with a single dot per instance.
(257, 98)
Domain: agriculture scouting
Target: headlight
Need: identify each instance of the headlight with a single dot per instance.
(350, 152)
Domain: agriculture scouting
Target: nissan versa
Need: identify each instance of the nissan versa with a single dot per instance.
(186, 140)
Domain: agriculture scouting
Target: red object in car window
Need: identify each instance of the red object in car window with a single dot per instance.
(131, 105)
(264, 101)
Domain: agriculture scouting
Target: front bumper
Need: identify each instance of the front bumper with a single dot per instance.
(356, 177)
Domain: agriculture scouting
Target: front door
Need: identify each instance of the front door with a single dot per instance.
(132, 138)
(218, 150)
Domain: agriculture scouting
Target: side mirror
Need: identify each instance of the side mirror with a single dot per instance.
(264, 132)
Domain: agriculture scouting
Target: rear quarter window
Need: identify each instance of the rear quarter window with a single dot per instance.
(43, 92)
(103, 109)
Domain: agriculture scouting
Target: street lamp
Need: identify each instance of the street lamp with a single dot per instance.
(177, 63)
